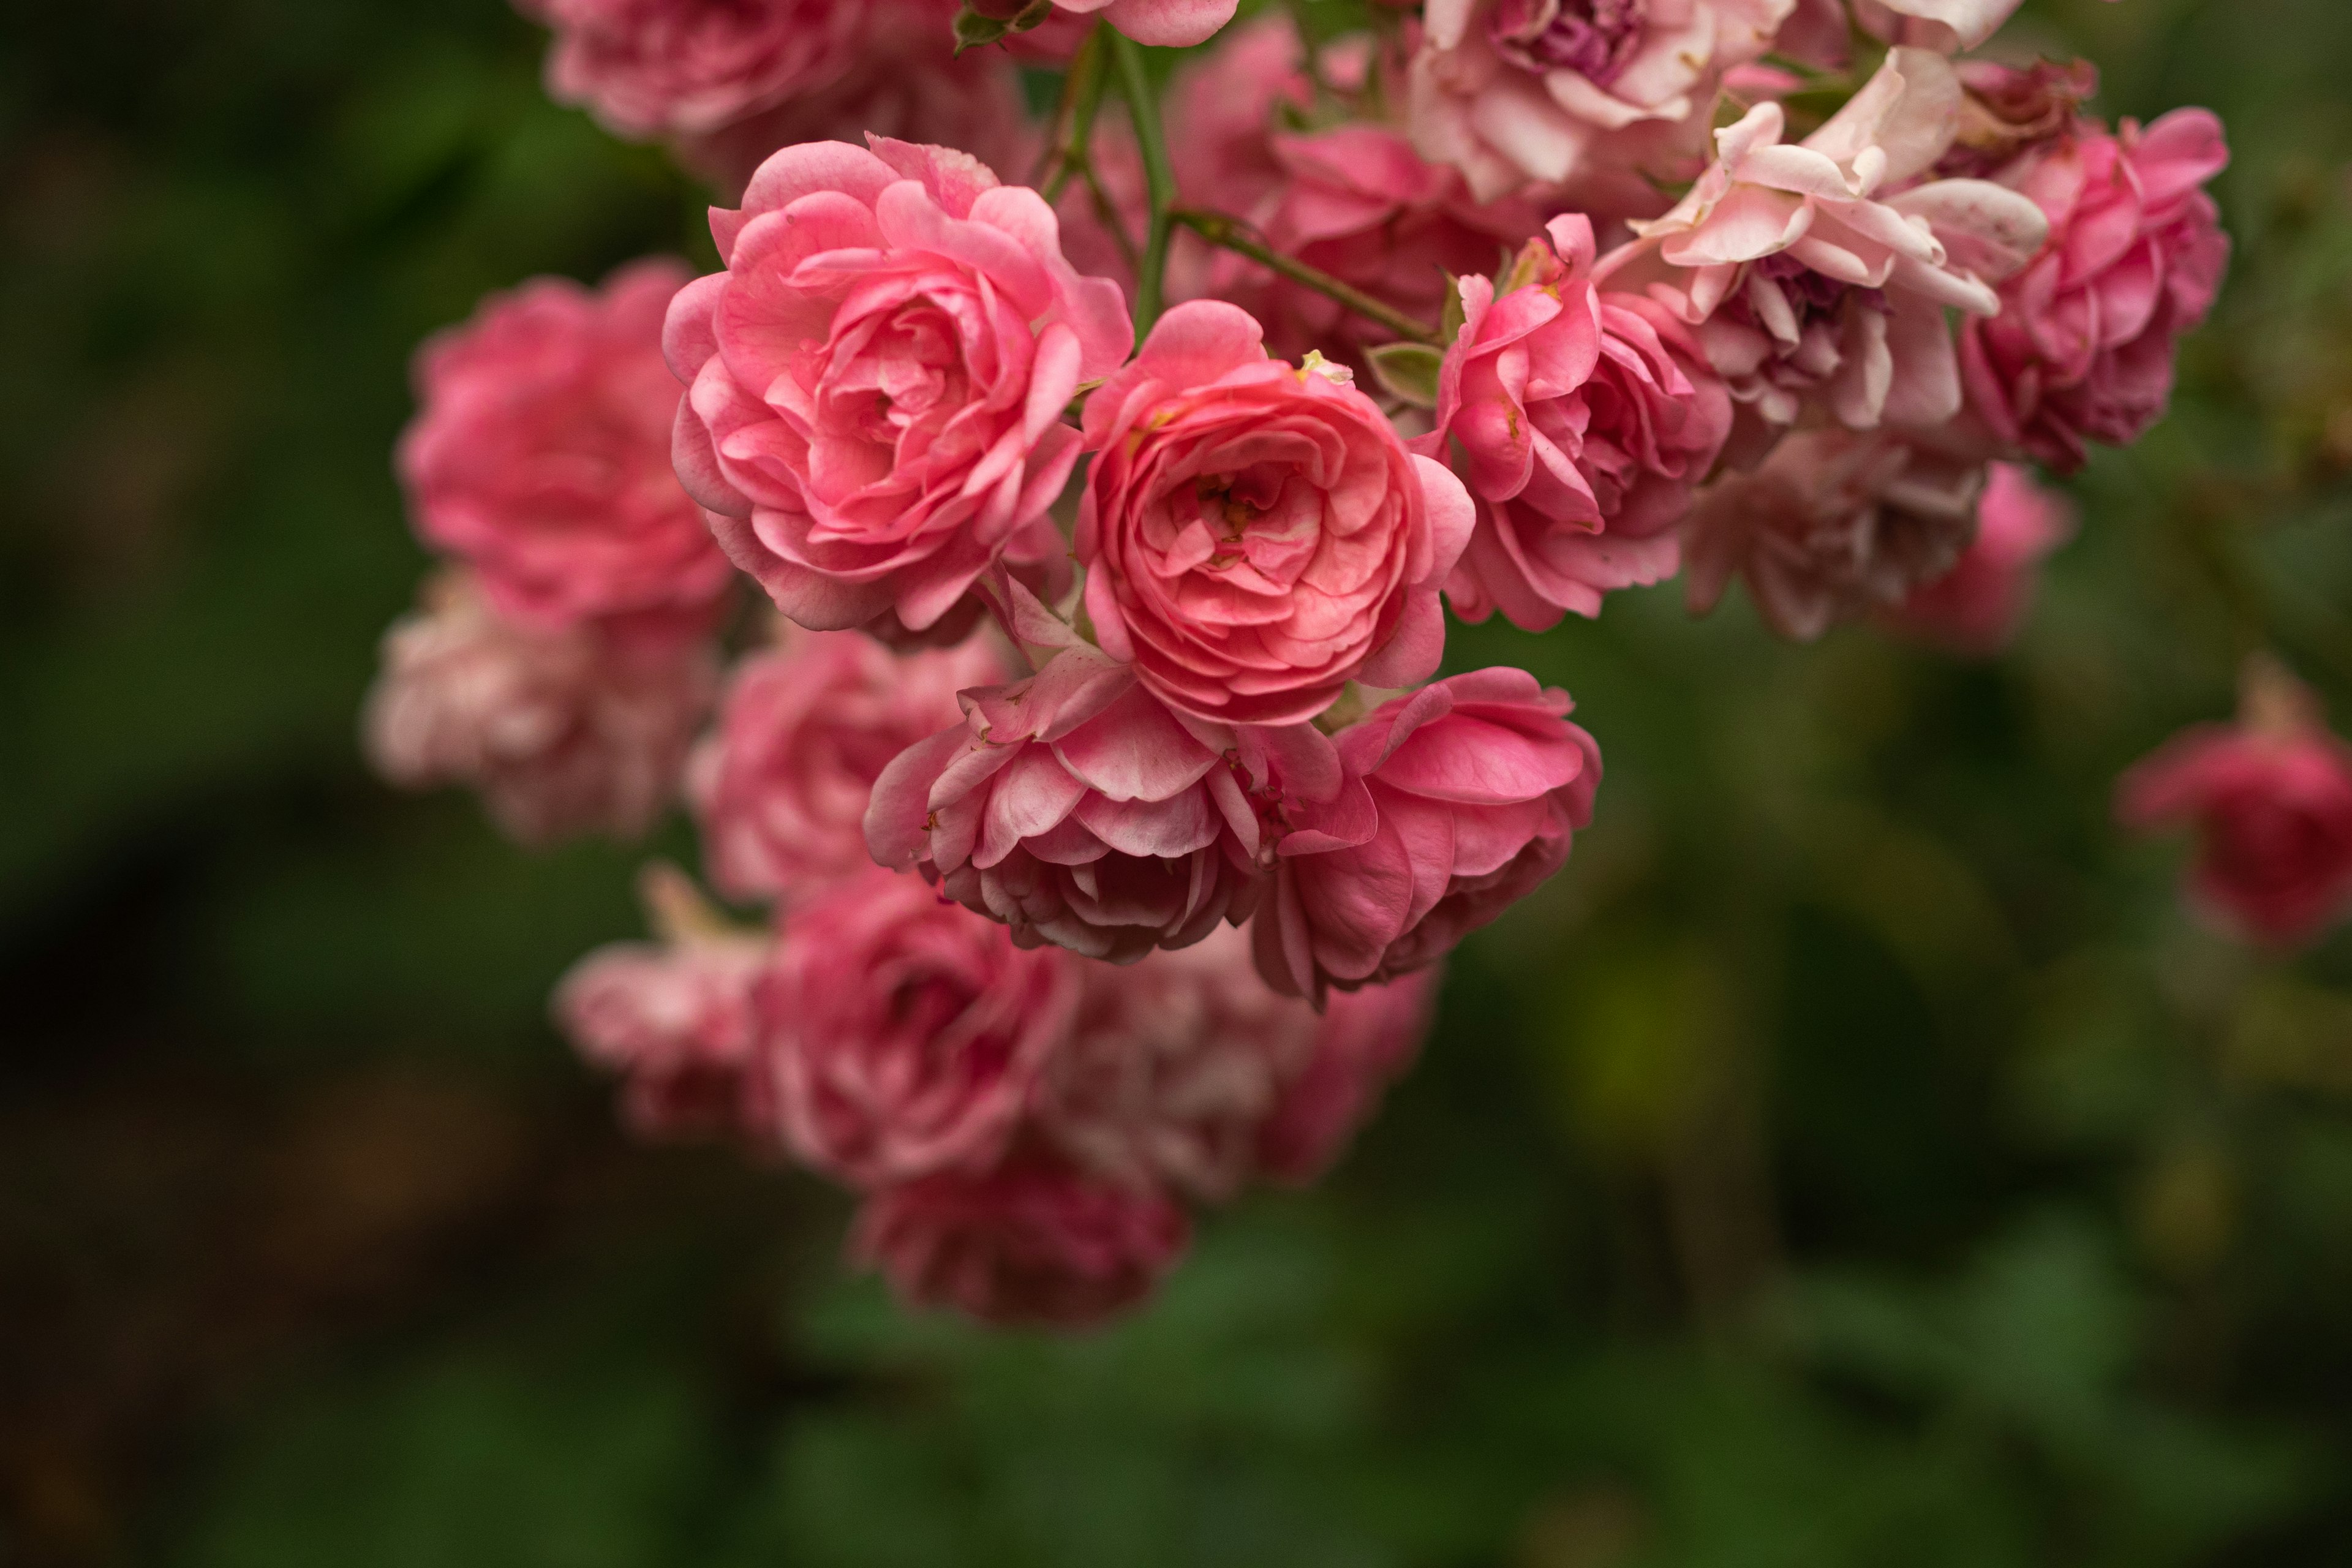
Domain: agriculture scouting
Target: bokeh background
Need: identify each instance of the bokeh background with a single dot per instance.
(1856, 1158)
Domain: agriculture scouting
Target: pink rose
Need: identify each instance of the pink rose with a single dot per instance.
(904, 1034)
(2271, 800)
(1032, 1243)
(781, 788)
(1586, 94)
(661, 68)
(1835, 526)
(1171, 24)
(1807, 288)
(1976, 607)
(1256, 536)
(539, 457)
(676, 1019)
(563, 731)
(1946, 27)
(1479, 782)
(2008, 110)
(1367, 1038)
(1175, 1066)
(1080, 810)
(1584, 421)
(2083, 345)
(878, 378)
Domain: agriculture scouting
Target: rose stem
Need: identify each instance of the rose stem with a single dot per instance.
(1217, 228)
(1082, 91)
(1143, 108)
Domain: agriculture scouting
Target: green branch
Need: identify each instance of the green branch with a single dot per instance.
(1074, 120)
(1235, 236)
(1143, 108)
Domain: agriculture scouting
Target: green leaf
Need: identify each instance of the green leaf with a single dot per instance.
(1408, 370)
(1449, 322)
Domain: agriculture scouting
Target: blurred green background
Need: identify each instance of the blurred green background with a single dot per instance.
(1856, 1158)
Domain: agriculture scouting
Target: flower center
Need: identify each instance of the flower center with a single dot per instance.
(1592, 38)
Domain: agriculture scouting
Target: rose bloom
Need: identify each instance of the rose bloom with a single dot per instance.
(1175, 1066)
(2271, 801)
(1835, 526)
(1256, 536)
(1478, 783)
(1945, 26)
(685, 68)
(781, 788)
(878, 378)
(676, 1018)
(1366, 1039)
(2083, 346)
(1582, 93)
(1032, 1243)
(905, 1034)
(1807, 287)
(1077, 808)
(1172, 24)
(563, 731)
(1583, 422)
(539, 456)
(1977, 606)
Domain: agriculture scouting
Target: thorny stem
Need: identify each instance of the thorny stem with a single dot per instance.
(1234, 235)
(1074, 120)
(1143, 108)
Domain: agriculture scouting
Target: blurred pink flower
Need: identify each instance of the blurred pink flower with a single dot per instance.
(657, 68)
(1366, 1039)
(904, 1034)
(2082, 349)
(563, 731)
(2271, 800)
(1172, 23)
(878, 377)
(1834, 525)
(781, 786)
(1976, 607)
(1033, 1242)
(1946, 27)
(539, 457)
(1479, 782)
(1584, 421)
(1256, 536)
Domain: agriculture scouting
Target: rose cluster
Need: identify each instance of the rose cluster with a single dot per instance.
(1097, 776)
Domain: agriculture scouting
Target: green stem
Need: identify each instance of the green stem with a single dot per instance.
(1074, 122)
(1143, 108)
(1234, 235)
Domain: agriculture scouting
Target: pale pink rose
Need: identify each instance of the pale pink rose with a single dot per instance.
(539, 456)
(1977, 606)
(1032, 1243)
(1808, 287)
(1368, 1037)
(676, 1019)
(1946, 27)
(1588, 94)
(1834, 525)
(1175, 1066)
(904, 1034)
(876, 380)
(1080, 810)
(1479, 782)
(663, 67)
(2082, 349)
(2271, 800)
(563, 731)
(1255, 536)
(1582, 423)
(781, 788)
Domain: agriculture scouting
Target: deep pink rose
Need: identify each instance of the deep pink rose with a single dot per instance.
(905, 1034)
(1367, 1038)
(1582, 423)
(1033, 1242)
(1479, 783)
(539, 456)
(2082, 348)
(563, 731)
(1173, 1068)
(1255, 536)
(684, 68)
(878, 379)
(1976, 607)
(1835, 526)
(2271, 800)
(781, 788)
(1080, 810)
